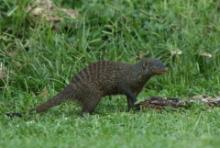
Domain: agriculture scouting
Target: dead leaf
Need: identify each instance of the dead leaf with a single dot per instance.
(199, 97)
(44, 93)
(70, 12)
(175, 51)
(3, 72)
(205, 55)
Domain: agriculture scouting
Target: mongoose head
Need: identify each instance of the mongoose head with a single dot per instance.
(153, 66)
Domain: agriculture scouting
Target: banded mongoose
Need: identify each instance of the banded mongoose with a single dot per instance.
(105, 78)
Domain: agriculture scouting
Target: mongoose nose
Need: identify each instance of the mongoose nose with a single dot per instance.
(161, 71)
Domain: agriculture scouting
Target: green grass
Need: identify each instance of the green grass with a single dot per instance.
(40, 62)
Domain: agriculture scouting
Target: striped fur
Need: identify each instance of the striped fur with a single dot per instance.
(106, 78)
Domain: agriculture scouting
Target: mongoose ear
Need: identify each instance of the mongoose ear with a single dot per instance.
(142, 55)
(144, 64)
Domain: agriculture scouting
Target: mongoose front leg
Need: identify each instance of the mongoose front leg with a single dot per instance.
(131, 97)
(130, 103)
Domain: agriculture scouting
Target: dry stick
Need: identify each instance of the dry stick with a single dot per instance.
(160, 102)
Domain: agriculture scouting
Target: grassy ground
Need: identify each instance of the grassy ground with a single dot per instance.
(40, 62)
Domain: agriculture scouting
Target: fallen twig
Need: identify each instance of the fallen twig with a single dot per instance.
(160, 102)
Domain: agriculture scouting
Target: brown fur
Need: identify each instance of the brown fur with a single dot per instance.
(105, 78)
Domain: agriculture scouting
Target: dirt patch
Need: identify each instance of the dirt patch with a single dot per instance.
(48, 11)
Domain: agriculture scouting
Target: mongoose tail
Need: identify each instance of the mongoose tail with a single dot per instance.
(50, 103)
(54, 101)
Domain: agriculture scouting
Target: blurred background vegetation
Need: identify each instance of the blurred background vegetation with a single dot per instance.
(38, 57)
(185, 35)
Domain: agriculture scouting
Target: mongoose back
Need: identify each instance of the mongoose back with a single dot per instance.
(105, 78)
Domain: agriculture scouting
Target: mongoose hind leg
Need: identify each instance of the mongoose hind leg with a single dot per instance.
(90, 101)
